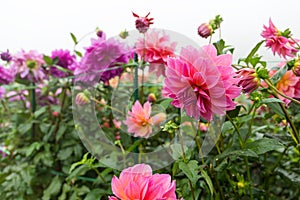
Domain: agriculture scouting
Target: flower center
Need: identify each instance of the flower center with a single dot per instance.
(31, 64)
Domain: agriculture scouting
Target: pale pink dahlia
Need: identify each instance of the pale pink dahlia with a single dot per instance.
(29, 65)
(103, 60)
(280, 42)
(200, 82)
(139, 120)
(138, 183)
(155, 48)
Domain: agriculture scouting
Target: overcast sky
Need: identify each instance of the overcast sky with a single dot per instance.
(45, 25)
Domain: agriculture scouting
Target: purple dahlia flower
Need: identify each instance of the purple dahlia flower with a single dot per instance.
(7, 75)
(65, 60)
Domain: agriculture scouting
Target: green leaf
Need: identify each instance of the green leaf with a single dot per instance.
(53, 189)
(48, 60)
(278, 75)
(40, 111)
(235, 112)
(74, 38)
(208, 181)
(78, 53)
(65, 153)
(275, 107)
(238, 153)
(24, 128)
(291, 176)
(253, 51)
(264, 145)
(271, 100)
(95, 194)
(190, 169)
(34, 146)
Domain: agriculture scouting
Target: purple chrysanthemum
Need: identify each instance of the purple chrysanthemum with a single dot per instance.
(103, 60)
(65, 60)
(7, 75)
(29, 65)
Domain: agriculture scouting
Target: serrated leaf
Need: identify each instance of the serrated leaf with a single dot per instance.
(190, 169)
(53, 189)
(264, 145)
(74, 38)
(208, 181)
(292, 176)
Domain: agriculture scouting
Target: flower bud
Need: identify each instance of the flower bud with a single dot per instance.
(142, 24)
(296, 67)
(99, 33)
(151, 98)
(55, 113)
(205, 30)
(249, 80)
(5, 56)
(123, 34)
(81, 99)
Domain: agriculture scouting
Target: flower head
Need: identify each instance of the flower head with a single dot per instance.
(5, 56)
(29, 65)
(7, 75)
(139, 183)
(156, 48)
(280, 42)
(142, 24)
(201, 82)
(248, 80)
(65, 60)
(205, 30)
(139, 120)
(103, 60)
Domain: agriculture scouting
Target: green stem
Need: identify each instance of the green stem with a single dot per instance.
(100, 175)
(269, 83)
(249, 176)
(250, 125)
(33, 108)
(237, 130)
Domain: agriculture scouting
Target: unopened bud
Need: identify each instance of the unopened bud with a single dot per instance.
(81, 99)
(151, 98)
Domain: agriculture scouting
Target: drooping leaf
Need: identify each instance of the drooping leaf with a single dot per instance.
(291, 176)
(208, 181)
(264, 145)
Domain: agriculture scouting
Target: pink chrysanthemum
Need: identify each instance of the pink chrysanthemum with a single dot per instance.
(103, 60)
(139, 183)
(156, 48)
(201, 83)
(29, 65)
(65, 60)
(7, 75)
(281, 44)
(139, 120)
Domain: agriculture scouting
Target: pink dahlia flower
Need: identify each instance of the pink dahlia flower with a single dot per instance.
(65, 60)
(29, 65)
(200, 82)
(289, 84)
(138, 183)
(142, 24)
(281, 44)
(103, 60)
(156, 48)
(248, 80)
(139, 120)
(7, 75)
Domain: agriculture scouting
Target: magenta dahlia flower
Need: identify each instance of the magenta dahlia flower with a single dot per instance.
(142, 24)
(5, 56)
(139, 183)
(140, 122)
(200, 82)
(65, 60)
(280, 42)
(7, 75)
(155, 48)
(103, 60)
(29, 65)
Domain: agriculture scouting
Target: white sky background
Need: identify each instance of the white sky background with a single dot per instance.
(45, 25)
